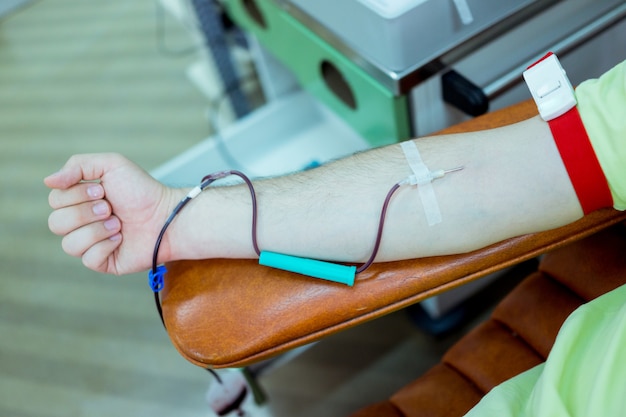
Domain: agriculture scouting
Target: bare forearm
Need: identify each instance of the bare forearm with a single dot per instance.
(109, 211)
(513, 182)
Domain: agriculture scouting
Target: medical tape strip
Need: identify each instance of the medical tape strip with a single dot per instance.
(424, 182)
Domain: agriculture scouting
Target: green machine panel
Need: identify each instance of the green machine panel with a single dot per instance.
(371, 109)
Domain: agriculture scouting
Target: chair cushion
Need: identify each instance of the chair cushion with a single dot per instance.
(491, 354)
(592, 267)
(522, 328)
(231, 313)
(536, 309)
(382, 409)
(425, 396)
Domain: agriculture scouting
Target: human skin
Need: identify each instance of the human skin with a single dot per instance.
(513, 182)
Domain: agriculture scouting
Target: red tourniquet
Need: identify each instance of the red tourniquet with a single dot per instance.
(580, 161)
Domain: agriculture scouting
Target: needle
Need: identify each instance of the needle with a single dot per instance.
(447, 171)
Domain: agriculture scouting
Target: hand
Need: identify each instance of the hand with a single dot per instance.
(109, 212)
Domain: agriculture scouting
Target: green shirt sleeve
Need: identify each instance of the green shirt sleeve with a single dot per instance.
(602, 108)
(584, 374)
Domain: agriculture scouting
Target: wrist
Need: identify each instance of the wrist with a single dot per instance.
(170, 249)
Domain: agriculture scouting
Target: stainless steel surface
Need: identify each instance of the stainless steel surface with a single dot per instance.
(588, 35)
(395, 35)
(562, 47)
(401, 82)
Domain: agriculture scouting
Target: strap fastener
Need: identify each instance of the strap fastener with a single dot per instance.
(551, 89)
(555, 99)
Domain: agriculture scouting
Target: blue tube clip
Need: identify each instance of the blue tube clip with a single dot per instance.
(155, 279)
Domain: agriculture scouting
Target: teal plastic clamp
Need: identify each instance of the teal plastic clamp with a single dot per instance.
(311, 267)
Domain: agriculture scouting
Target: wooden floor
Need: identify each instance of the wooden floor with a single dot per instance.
(85, 76)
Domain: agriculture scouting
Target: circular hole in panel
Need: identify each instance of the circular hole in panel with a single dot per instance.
(254, 12)
(336, 82)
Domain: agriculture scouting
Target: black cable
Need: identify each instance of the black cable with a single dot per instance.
(155, 277)
(248, 182)
(169, 220)
(156, 274)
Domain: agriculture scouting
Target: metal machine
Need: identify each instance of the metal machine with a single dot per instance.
(344, 75)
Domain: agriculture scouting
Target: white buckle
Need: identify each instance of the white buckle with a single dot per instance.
(550, 87)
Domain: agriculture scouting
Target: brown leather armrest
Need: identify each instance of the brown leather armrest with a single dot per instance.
(230, 313)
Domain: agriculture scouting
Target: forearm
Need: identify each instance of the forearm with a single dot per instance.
(513, 182)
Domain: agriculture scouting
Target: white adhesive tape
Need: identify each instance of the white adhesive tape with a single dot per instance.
(424, 184)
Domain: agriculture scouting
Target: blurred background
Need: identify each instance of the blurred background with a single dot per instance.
(82, 76)
(136, 77)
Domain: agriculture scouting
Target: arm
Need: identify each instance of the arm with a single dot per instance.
(513, 182)
(332, 212)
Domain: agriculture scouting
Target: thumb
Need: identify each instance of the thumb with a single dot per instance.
(85, 167)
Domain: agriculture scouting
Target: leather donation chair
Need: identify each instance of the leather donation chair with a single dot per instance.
(231, 313)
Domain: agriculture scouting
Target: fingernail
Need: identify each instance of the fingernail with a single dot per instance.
(100, 208)
(112, 224)
(116, 237)
(95, 191)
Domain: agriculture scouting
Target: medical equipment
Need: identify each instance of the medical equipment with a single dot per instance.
(423, 177)
(555, 99)
(315, 268)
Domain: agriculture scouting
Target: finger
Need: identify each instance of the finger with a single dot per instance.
(74, 195)
(68, 219)
(81, 240)
(85, 167)
(97, 257)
